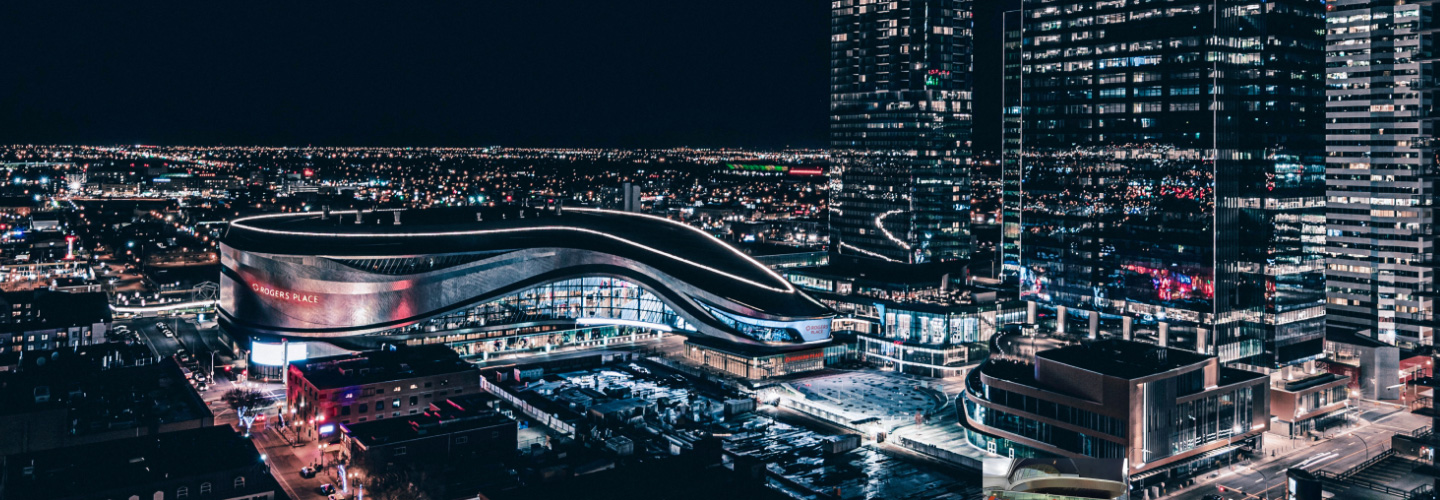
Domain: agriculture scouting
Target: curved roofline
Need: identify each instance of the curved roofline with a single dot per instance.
(786, 287)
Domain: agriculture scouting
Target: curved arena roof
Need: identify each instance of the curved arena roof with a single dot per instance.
(424, 262)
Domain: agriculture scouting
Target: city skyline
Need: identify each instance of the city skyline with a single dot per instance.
(1059, 249)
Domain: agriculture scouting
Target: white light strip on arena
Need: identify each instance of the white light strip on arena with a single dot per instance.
(621, 322)
(879, 219)
(712, 238)
(162, 307)
(477, 232)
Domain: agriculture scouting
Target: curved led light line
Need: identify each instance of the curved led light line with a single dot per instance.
(866, 252)
(886, 232)
(622, 322)
(476, 232)
(162, 307)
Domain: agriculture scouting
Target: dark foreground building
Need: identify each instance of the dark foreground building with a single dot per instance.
(1173, 161)
(205, 463)
(501, 279)
(1170, 413)
(70, 399)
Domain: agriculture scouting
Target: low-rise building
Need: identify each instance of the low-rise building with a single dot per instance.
(321, 393)
(442, 448)
(45, 320)
(923, 320)
(210, 462)
(65, 401)
(1170, 413)
(1372, 366)
(1307, 403)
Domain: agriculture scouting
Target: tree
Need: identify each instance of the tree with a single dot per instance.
(244, 398)
(246, 403)
(395, 485)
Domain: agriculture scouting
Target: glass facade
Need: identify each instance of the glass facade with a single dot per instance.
(1093, 444)
(900, 89)
(595, 300)
(1013, 124)
(572, 299)
(1173, 170)
(1379, 200)
(1173, 427)
(1179, 415)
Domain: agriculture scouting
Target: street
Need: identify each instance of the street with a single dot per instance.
(1344, 449)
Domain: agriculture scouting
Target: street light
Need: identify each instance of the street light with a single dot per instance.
(1263, 477)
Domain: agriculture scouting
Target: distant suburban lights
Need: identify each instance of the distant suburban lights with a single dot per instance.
(757, 168)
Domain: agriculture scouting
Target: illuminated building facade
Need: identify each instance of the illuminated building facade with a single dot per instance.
(1380, 190)
(1013, 123)
(1173, 173)
(499, 280)
(900, 89)
(322, 394)
(1169, 413)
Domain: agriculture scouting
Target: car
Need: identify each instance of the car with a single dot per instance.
(327, 488)
(307, 472)
(169, 334)
(1212, 496)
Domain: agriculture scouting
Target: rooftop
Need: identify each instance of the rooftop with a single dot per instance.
(118, 464)
(1350, 337)
(120, 398)
(681, 251)
(890, 273)
(371, 367)
(1122, 358)
(56, 309)
(449, 416)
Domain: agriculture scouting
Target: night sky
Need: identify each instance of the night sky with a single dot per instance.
(640, 73)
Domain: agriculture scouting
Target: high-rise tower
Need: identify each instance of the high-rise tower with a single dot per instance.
(1012, 123)
(1173, 173)
(1380, 207)
(900, 129)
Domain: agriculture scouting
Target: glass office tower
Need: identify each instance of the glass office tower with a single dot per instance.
(900, 129)
(1012, 122)
(1173, 173)
(1380, 194)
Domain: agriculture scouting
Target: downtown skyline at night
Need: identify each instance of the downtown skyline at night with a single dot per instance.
(856, 249)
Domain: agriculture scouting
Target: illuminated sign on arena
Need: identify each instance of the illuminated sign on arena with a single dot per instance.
(276, 293)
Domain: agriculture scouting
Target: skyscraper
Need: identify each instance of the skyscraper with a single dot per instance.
(900, 123)
(1012, 123)
(1380, 213)
(1173, 173)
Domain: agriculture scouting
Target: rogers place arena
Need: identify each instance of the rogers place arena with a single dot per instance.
(496, 280)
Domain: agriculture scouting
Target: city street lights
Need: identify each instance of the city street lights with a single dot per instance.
(1262, 477)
